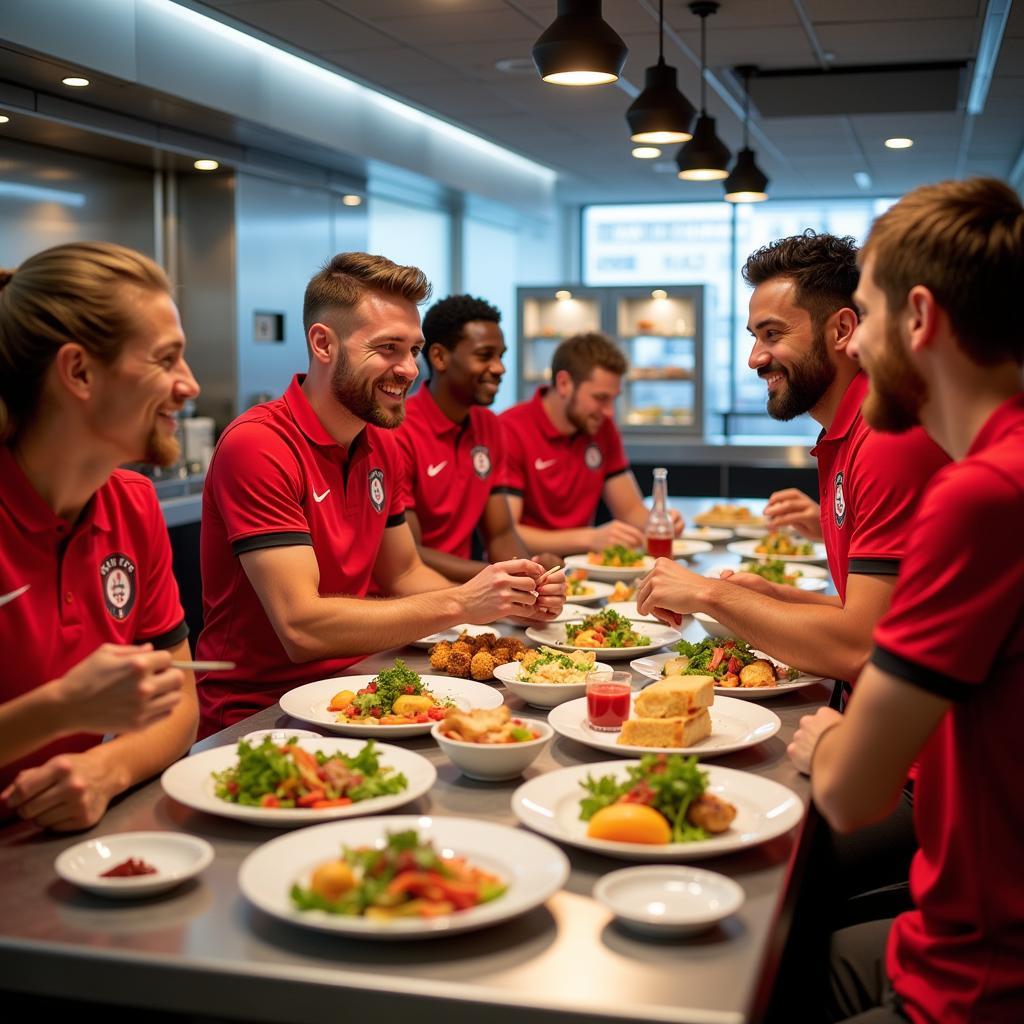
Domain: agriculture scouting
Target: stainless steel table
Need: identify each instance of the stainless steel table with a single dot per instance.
(202, 949)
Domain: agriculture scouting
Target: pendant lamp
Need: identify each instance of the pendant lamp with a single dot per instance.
(661, 113)
(746, 183)
(705, 157)
(579, 47)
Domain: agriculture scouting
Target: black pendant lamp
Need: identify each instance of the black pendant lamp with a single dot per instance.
(579, 47)
(705, 157)
(746, 183)
(661, 113)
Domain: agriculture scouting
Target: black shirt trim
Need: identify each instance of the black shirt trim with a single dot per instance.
(875, 566)
(284, 539)
(395, 520)
(939, 683)
(171, 638)
(506, 490)
(618, 472)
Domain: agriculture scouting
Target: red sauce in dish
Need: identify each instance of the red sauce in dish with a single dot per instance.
(129, 868)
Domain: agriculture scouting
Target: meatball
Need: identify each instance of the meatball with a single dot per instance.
(711, 813)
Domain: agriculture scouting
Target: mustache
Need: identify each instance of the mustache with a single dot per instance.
(767, 371)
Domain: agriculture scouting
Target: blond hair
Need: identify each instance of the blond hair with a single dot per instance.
(71, 293)
(582, 353)
(964, 242)
(343, 281)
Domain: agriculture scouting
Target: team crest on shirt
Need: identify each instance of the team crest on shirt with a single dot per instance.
(592, 457)
(117, 573)
(377, 489)
(481, 461)
(839, 500)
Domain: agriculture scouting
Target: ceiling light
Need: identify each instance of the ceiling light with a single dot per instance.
(75, 83)
(863, 179)
(705, 157)
(898, 143)
(746, 183)
(352, 200)
(563, 295)
(4, 119)
(661, 113)
(659, 293)
(205, 165)
(646, 152)
(579, 47)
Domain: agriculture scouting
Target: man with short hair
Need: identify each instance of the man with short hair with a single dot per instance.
(941, 343)
(565, 455)
(303, 506)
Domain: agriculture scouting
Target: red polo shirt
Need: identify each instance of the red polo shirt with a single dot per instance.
(278, 479)
(450, 470)
(559, 478)
(103, 579)
(869, 486)
(956, 628)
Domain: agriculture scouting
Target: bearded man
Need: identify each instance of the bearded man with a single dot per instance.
(304, 506)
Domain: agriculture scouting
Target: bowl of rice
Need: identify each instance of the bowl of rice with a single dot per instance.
(546, 678)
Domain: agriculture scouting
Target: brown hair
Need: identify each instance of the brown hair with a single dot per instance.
(822, 266)
(581, 353)
(68, 294)
(343, 281)
(964, 241)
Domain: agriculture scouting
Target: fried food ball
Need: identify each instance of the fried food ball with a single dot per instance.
(485, 641)
(439, 655)
(462, 647)
(459, 663)
(501, 655)
(759, 673)
(482, 666)
(711, 812)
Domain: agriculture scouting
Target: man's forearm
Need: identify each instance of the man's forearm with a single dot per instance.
(30, 721)
(558, 542)
(451, 567)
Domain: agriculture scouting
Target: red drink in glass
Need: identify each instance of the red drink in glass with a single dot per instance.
(659, 547)
(607, 704)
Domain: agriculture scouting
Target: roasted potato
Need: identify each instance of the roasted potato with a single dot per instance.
(758, 673)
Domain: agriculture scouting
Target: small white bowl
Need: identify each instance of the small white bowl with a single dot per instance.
(176, 856)
(493, 762)
(543, 695)
(713, 627)
(281, 736)
(665, 900)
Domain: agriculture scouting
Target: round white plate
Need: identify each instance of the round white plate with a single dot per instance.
(280, 736)
(533, 869)
(714, 534)
(550, 804)
(608, 572)
(745, 549)
(543, 695)
(600, 589)
(176, 856)
(554, 636)
(629, 609)
(812, 577)
(190, 782)
(652, 665)
(662, 900)
(708, 518)
(683, 548)
(453, 634)
(568, 613)
(735, 725)
(309, 703)
(751, 532)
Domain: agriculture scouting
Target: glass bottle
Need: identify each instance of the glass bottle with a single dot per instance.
(659, 531)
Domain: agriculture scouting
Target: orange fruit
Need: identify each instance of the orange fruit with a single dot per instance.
(630, 823)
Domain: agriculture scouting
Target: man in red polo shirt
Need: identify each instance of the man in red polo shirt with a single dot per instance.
(564, 455)
(92, 375)
(304, 505)
(454, 453)
(941, 342)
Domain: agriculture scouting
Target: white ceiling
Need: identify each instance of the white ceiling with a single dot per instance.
(441, 55)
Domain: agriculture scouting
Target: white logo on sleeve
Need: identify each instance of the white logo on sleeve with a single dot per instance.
(432, 471)
(481, 461)
(542, 464)
(320, 497)
(839, 503)
(592, 457)
(117, 573)
(376, 478)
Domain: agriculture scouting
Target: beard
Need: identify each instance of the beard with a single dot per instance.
(805, 382)
(897, 392)
(162, 449)
(579, 421)
(359, 396)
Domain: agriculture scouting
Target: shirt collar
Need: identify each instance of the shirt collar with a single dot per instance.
(309, 423)
(1005, 419)
(547, 428)
(849, 409)
(436, 420)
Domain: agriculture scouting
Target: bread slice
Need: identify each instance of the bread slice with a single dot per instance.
(681, 731)
(675, 696)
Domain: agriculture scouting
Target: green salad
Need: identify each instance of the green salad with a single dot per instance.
(774, 571)
(717, 658)
(605, 629)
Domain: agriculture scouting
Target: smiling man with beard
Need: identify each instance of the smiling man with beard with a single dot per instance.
(304, 506)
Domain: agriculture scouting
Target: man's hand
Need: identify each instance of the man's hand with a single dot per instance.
(811, 729)
(548, 560)
(669, 591)
(505, 588)
(550, 598)
(794, 508)
(615, 532)
(67, 793)
(750, 580)
(678, 522)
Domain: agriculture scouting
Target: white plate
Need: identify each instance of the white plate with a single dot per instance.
(812, 577)
(669, 899)
(176, 856)
(707, 518)
(280, 736)
(533, 869)
(453, 634)
(608, 572)
(629, 609)
(554, 636)
(550, 804)
(652, 665)
(745, 549)
(190, 782)
(568, 613)
(309, 704)
(543, 695)
(715, 534)
(601, 591)
(735, 725)
(683, 548)
(751, 532)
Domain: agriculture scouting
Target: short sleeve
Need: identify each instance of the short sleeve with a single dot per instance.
(404, 472)
(161, 619)
(889, 476)
(958, 594)
(514, 461)
(614, 453)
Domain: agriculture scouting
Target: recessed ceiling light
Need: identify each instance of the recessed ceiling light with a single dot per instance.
(4, 119)
(659, 293)
(206, 165)
(862, 178)
(75, 82)
(563, 295)
(352, 200)
(646, 152)
(898, 143)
